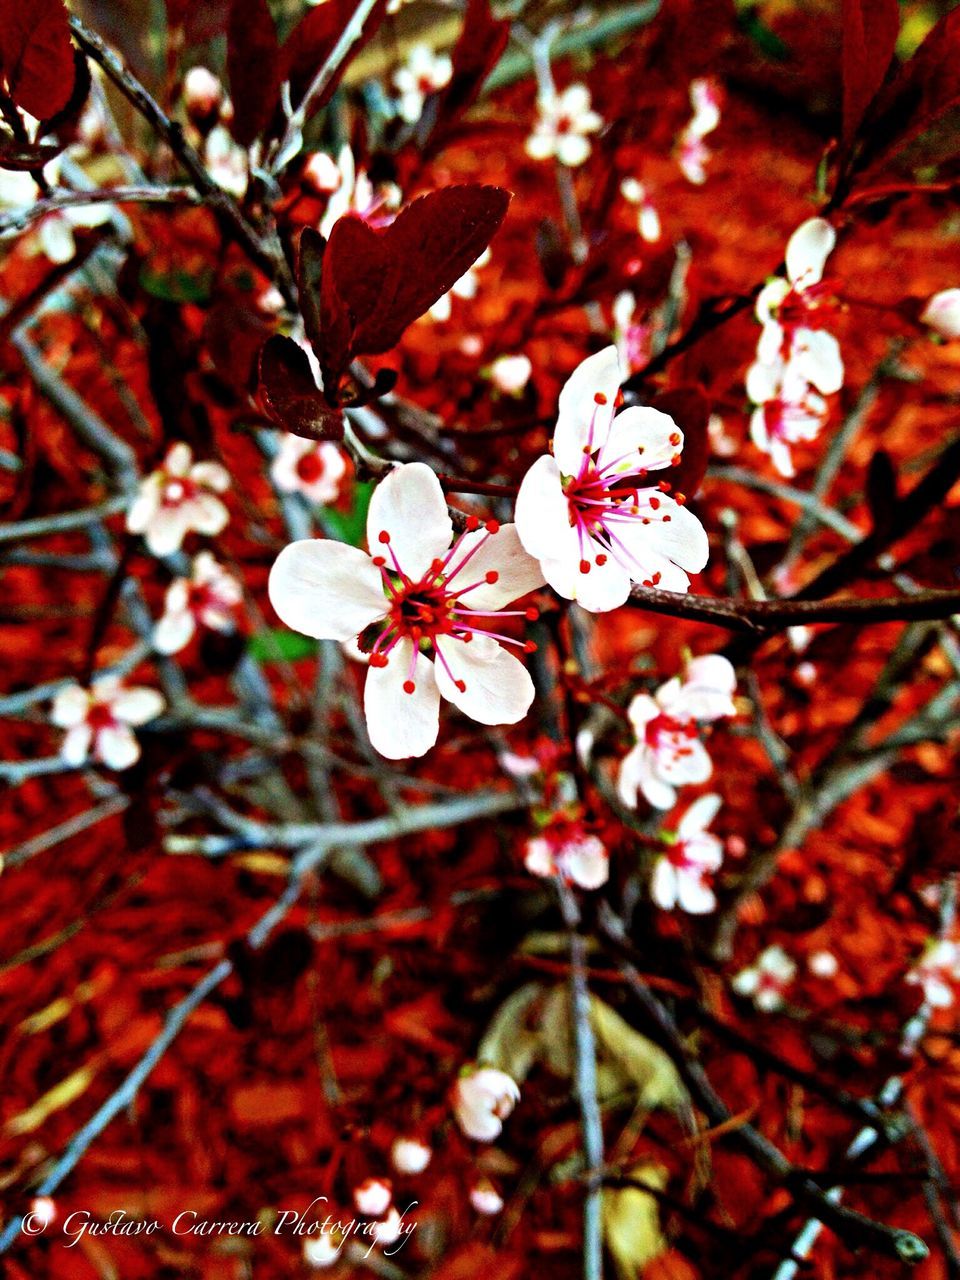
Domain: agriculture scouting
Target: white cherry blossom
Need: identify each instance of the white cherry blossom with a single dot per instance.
(648, 220)
(767, 979)
(669, 752)
(227, 162)
(565, 120)
(98, 721)
(937, 972)
(178, 497)
(422, 74)
(321, 1251)
(373, 1197)
(485, 1198)
(410, 1155)
(510, 374)
(565, 849)
(355, 193)
(589, 511)
(313, 468)
(202, 92)
(942, 313)
(482, 1099)
(789, 411)
(692, 152)
(426, 612)
(679, 877)
(208, 598)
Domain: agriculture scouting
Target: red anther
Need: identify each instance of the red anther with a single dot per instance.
(600, 398)
(656, 578)
(378, 659)
(491, 576)
(584, 566)
(492, 526)
(461, 685)
(409, 686)
(383, 536)
(436, 565)
(379, 561)
(529, 646)
(620, 397)
(664, 486)
(532, 614)
(666, 518)
(601, 560)
(675, 460)
(473, 523)
(654, 503)
(676, 438)
(680, 499)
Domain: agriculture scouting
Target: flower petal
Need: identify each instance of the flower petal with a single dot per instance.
(699, 816)
(410, 508)
(808, 250)
(137, 706)
(117, 747)
(75, 748)
(694, 895)
(166, 531)
(174, 631)
(585, 409)
(663, 885)
(816, 355)
(641, 439)
(501, 553)
(327, 590)
(70, 707)
(497, 686)
(207, 514)
(402, 724)
(542, 513)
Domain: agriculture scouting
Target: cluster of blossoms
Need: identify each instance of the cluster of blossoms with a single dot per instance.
(422, 74)
(669, 751)
(54, 232)
(349, 190)
(798, 361)
(767, 980)
(209, 112)
(693, 853)
(692, 151)
(563, 127)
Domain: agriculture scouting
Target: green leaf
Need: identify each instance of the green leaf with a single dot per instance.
(280, 645)
(176, 286)
(349, 526)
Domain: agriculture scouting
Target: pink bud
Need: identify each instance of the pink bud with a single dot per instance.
(942, 313)
(373, 1197)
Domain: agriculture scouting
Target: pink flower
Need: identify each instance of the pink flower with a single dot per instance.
(179, 497)
(208, 598)
(767, 980)
(423, 74)
(423, 609)
(98, 721)
(485, 1197)
(669, 752)
(588, 512)
(942, 313)
(936, 971)
(373, 1197)
(566, 849)
(679, 877)
(410, 1155)
(357, 194)
(314, 468)
(483, 1097)
(562, 127)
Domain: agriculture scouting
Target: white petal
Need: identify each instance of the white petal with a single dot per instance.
(402, 724)
(410, 507)
(178, 459)
(644, 438)
(641, 711)
(117, 747)
(326, 589)
(212, 475)
(602, 588)
(145, 505)
(540, 145)
(501, 553)
(808, 250)
(538, 857)
(694, 894)
(746, 981)
(663, 885)
(816, 355)
(174, 631)
(763, 381)
(572, 149)
(628, 776)
(206, 514)
(497, 686)
(542, 513)
(656, 790)
(586, 401)
(70, 707)
(75, 747)
(137, 706)
(56, 239)
(699, 816)
(586, 863)
(166, 531)
(770, 298)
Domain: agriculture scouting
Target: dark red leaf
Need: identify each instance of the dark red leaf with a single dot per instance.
(923, 90)
(36, 55)
(870, 29)
(690, 410)
(26, 155)
(376, 283)
(309, 274)
(482, 41)
(312, 40)
(253, 65)
(289, 392)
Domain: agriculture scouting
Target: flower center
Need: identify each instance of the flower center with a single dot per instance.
(433, 607)
(100, 717)
(809, 306)
(665, 734)
(310, 467)
(178, 490)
